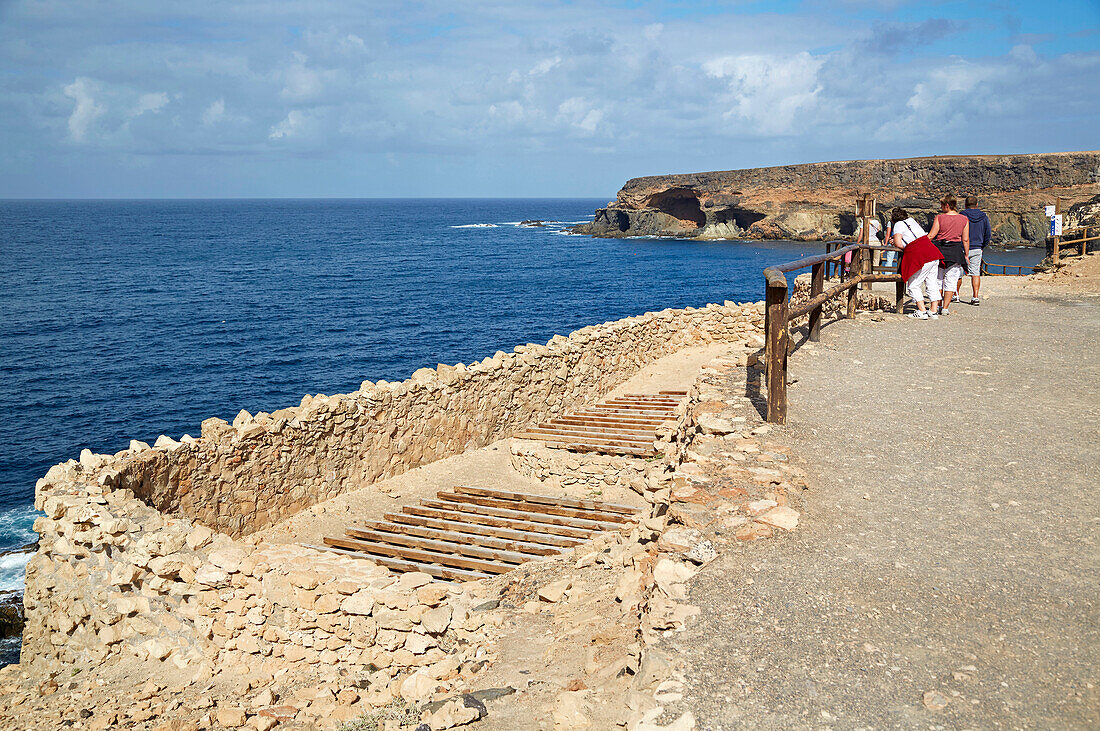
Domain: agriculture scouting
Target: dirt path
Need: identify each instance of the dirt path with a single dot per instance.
(948, 551)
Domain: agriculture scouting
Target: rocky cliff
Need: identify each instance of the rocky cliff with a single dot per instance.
(817, 201)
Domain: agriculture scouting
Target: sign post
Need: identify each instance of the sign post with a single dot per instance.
(1056, 228)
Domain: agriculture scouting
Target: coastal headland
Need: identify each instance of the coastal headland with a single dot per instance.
(815, 201)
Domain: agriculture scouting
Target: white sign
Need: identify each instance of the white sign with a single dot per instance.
(1050, 211)
(1056, 225)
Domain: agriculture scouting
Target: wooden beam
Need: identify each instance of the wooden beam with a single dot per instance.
(533, 507)
(637, 406)
(482, 510)
(586, 445)
(522, 525)
(594, 436)
(432, 544)
(551, 500)
(457, 536)
(547, 539)
(596, 421)
(649, 421)
(421, 556)
(776, 354)
(439, 572)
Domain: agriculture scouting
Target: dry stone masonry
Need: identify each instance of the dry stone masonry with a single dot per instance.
(145, 554)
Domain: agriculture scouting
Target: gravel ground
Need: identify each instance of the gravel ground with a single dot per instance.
(947, 552)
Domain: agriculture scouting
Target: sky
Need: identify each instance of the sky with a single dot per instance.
(483, 98)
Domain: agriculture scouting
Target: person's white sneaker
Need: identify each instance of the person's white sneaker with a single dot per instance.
(934, 316)
(919, 315)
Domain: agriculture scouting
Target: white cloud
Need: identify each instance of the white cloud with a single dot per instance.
(150, 103)
(578, 113)
(213, 113)
(618, 89)
(768, 91)
(545, 65)
(289, 127)
(86, 111)
(301, 83)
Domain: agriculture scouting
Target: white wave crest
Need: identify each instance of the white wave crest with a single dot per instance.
(476, 225)
(13, 569)
(16, 532)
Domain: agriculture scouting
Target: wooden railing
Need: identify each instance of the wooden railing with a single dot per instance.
(989, 266)
(836, 268)
(1082, 242)
(779, 312)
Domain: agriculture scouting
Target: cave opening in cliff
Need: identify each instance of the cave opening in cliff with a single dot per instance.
(680, 203)
(739, 216)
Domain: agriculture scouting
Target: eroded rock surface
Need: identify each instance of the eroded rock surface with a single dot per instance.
(816, 201)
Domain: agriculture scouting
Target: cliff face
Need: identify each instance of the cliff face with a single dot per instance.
(817, 201)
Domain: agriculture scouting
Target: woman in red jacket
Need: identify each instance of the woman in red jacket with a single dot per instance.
(920, 260)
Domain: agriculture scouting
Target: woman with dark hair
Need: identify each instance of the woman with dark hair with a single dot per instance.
(920, 262)
(951, 234)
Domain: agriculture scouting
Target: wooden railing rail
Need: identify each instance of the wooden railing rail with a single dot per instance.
(778, 311)
(989, 266)
(1082, 243)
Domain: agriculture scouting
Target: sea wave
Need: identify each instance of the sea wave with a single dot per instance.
(13, 569)
(15, 532)
(476, 225)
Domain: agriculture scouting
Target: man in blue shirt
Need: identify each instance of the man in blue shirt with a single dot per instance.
(980, 233)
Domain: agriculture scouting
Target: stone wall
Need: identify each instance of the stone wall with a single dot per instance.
(245, 476)
(116, 578)
(140, 553)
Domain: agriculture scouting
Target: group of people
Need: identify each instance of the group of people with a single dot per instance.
(933, 263)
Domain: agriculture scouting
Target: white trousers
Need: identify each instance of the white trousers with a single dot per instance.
(927, 277)
(949, 278)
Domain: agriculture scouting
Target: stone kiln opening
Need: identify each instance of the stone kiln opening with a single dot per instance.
(151, 554)
(471, 533)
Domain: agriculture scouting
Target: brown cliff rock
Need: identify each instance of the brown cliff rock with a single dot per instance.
(817, 201)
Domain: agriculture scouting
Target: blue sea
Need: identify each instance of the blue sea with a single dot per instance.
(130, 319)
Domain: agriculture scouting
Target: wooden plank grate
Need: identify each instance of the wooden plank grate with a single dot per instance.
(473, 532)
(617, 425)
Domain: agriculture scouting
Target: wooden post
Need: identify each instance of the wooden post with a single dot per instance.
(900, 306)
(853, 292)
(817, 284)
(776, 353)
(866, 209)
(1057, 239)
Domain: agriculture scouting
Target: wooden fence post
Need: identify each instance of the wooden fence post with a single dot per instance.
(899, 307)
(866, 210)
(817, 285)
(776, 353)
(853, 292)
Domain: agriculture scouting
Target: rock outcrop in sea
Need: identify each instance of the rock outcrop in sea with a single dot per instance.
(817, 201)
